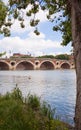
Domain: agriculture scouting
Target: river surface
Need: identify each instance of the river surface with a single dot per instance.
(56, 87)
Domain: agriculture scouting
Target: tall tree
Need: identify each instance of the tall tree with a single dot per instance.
(76, 37)
(68, 22)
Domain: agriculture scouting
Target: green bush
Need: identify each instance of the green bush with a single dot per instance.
(62, 57)
(33, 101)
(18, 113)
(46, 56)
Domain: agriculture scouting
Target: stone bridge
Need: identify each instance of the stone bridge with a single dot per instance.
(35, 64)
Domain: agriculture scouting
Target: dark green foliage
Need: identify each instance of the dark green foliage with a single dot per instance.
(24, 56)
(1, 54)
(18, 113)
(47, 111)
(6, 31)
(34, 22)
(46, 56)
(62, 57)
(62, 22)
(36, 32)
(65, 28)
(33, 101)
(22, 25)
(3, 12)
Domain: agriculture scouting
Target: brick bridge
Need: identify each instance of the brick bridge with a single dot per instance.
(35, 64)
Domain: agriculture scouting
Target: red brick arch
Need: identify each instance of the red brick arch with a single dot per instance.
(24, 65)
(4, 65)
(47, 65)
(65, 65)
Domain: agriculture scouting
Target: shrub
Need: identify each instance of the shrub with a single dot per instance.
(33, 101)
(18, 113)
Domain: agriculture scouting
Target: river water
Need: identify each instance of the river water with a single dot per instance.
(56, 87)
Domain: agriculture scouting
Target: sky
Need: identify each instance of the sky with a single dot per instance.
(24, 41)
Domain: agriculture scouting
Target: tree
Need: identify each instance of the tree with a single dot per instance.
(76, 36)
(46, 56)
(3, 13)
(69, 23)
(1, 54)
(62, 57)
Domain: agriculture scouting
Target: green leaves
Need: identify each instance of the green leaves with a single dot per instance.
(6, 32)
(62, 20)
(22, 25)
(62, 57)
(15, 14)
(19, 113)
(1, 54)
(3, 13)
(36, 32)
(8, 24)
(34, 22)
(29, 13)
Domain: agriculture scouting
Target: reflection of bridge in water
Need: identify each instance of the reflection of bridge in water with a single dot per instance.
(35, 64)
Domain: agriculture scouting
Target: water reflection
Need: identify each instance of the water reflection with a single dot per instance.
(57, 87)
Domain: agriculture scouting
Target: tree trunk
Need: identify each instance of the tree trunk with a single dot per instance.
(76, 36)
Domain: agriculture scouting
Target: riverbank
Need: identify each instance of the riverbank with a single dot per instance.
(18, 113)
(57, 88)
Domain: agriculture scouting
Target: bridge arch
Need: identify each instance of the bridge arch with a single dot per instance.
(24, 65)
(47, 65)
(65, 65)
(4, 65)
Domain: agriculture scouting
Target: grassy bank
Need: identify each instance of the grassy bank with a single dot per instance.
(18, 113)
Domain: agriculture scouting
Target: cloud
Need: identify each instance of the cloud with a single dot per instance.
(36, 45)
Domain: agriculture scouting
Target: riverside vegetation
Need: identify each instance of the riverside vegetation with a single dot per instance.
(19, 113)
